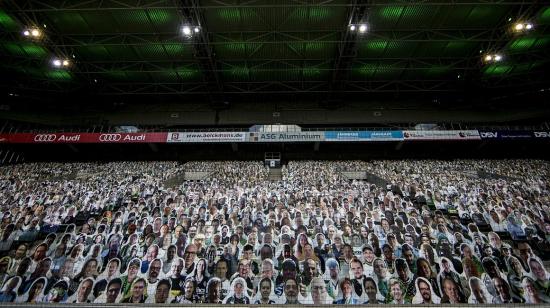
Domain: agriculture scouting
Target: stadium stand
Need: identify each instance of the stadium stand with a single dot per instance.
(432, 234)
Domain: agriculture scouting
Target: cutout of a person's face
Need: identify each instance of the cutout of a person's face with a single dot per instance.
(318, 292)
(112, 292)
(265, 289)
(133, 270)
(238, 289)
(346, 289)
(113, 266)
(36, 289)
(370, 289)
(451, 290)
(380, 268)
(214, 293)
(396, 292)
(425, 291)
(84, 290)
(138, 289)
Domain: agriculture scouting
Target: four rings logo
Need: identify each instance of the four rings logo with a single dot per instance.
(45, 138)
(110, 137)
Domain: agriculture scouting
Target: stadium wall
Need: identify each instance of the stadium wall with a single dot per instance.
(247, 114)
(290, 151)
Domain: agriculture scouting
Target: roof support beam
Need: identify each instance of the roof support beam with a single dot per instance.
(98, 5)
(347, 50)
(203, 51)
(276, 38)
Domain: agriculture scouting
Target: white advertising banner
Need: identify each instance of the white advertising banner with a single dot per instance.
(287, 137)
(207, 137)
(441, 135)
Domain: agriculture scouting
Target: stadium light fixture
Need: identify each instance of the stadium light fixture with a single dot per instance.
(186, 30)
(61, 63)
(522, 27)
(363, 28)
(352, 27)
(493, 58)
(32, 33)
(189, 30)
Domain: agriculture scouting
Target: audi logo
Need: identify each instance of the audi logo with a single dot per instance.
(110, 137)
(45, 138)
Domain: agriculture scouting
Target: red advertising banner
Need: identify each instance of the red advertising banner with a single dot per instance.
(84, 138)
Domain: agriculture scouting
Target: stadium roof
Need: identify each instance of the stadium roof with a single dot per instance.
(261, 50)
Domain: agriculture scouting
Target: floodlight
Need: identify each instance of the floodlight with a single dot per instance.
(493, 58)
(362, 28)
(57, 63)
(186, 30)
(66, 62)
(197, 29)
(528, 26)
(352, 28)
(518, 27)
(32, 32)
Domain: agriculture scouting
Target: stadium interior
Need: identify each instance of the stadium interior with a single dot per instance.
(274, 152)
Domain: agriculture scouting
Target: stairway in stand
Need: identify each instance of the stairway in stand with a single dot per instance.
(275, 174)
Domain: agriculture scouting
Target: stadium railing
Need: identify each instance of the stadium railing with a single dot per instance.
(10, 129)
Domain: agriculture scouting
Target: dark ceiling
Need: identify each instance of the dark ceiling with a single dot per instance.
(273, 50)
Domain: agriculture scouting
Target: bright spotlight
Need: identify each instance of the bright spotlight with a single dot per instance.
(197, 29)
(66, 63)
(362, 28)
(352, 28)
(32, 32)
(493, 58)
(57, 63)
(186, 30)
(518, 27)
(528, 26)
